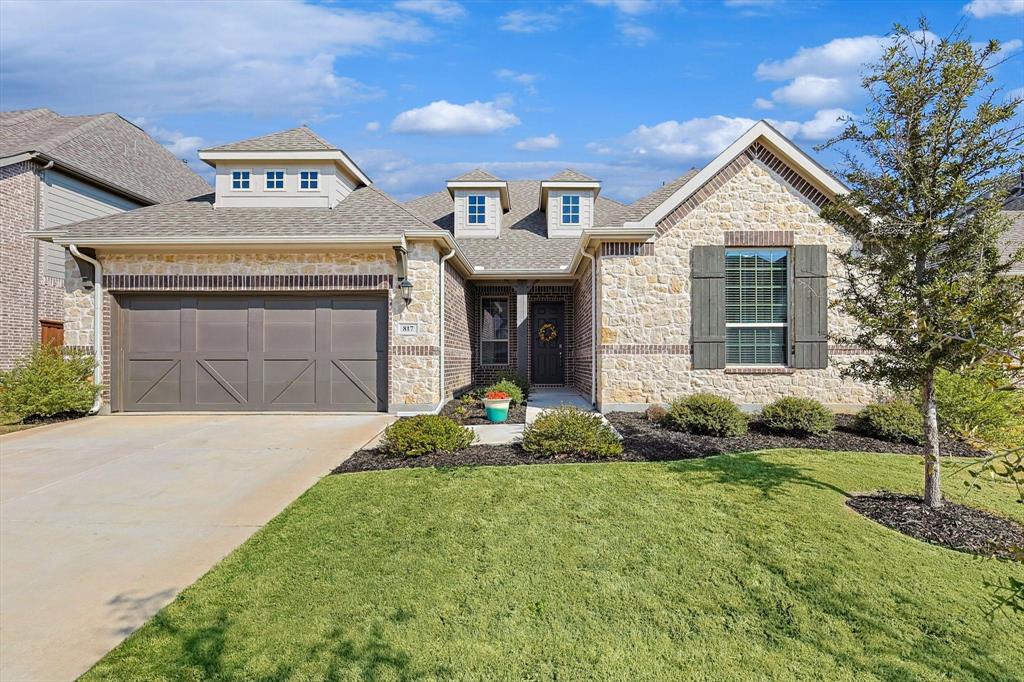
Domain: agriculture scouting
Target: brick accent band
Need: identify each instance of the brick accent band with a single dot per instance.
(246, 282)
(612, 249)
(419, 351)
(759, 238)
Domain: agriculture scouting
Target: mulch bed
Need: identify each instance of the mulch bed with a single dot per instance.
(516, 414)
(951, 525)
(645, 441)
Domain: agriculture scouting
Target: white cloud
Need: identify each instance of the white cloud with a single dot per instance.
(825, 124)
(750, 3)
(627, 6)
(444, 118)
(990, 8)
(277, 57)
(524, 79)
(522, 21)
(373, 126)
(176, 142)
(635, 34)
(815, 91)
(762, 103)
(442, 10)
(536, 144)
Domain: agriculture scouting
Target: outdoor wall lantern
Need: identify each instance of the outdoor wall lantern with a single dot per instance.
(406, 287)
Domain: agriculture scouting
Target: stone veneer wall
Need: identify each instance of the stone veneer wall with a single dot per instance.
(645, 297)
(458, 357)
(413, 360)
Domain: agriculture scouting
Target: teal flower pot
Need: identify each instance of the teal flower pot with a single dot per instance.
(497, 410)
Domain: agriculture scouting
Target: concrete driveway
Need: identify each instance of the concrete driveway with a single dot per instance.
(104, 520)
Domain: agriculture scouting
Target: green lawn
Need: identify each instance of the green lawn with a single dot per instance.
(731, 567)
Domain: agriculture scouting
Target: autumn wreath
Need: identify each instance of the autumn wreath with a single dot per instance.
(547, 332)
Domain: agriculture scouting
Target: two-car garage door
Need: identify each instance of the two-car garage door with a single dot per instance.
(207, 352)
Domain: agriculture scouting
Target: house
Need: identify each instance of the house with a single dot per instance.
(56, 170)
(298, 285)
(1013, 238)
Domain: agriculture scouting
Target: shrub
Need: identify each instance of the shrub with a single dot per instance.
(800, 416)
(656, 413)
(975, 404)
(48, 382)
(522, 384)
(426, 434)
(706, 414)
(510, 387)
(567, 430)
(465, 407)
(897, 421)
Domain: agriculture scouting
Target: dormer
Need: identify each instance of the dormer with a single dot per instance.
(480, 201)
(291, 168)
(568, 199)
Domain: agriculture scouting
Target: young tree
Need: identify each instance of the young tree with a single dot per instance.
(927, 165)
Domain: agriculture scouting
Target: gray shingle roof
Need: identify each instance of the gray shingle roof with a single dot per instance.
(476, 175)
(366, 211)
(647, 203)
(522, 242)
(105, 146)
(570, 175)
(300, 139)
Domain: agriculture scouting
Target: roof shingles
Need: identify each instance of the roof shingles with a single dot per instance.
(300, 139)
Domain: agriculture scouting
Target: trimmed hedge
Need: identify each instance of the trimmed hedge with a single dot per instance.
(567, 430)
(706, 414)
(426, 434)
(799, 416)
(48, 382)
(897, 421)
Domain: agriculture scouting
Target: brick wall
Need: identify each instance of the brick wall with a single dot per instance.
(458, 358)
(582, 330)
(17, 216)
(486, 374)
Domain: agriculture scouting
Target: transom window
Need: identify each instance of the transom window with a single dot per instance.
(756, 306)
(275, 179)
(494, 331)
(240, 179)
(309, 179)
(570, 209)
(477, 209)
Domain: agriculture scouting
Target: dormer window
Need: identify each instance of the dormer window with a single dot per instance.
(570, 209)
(240, 179)
(275, 180)
(309, 179)
(477, 209)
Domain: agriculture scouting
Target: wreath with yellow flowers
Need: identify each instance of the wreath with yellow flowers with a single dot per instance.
(547, 332)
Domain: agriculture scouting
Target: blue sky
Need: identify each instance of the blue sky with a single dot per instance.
(633, 92)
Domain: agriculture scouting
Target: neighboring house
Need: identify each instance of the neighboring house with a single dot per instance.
(298, 285)
(56, 170)
(1013, 239)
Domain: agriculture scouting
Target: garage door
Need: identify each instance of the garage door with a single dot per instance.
(252, 353)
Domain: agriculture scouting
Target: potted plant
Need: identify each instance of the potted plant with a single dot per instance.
(496, 406)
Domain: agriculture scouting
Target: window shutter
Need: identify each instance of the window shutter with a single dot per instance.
(810, 307)
(707, 337)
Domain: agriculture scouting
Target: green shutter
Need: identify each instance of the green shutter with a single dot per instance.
(810, 307)
(707, 337)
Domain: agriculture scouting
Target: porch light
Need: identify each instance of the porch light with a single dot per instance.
(406, 287)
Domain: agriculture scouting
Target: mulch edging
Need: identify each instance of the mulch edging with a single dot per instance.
(952, 525)
(477, 415)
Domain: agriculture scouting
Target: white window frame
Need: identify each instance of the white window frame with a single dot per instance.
(469, 211)
(266, 180)
(310, 179)
(789, 309)
(562, 206)
(508, 339)
(248, 180)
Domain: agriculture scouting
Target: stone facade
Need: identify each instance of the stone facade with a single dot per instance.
(644, 297)
(413, 359)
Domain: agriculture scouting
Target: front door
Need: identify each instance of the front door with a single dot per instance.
(548, 343)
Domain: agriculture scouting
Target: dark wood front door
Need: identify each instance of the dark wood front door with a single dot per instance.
(548, 343)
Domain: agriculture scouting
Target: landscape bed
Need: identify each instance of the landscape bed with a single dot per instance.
(476, 415)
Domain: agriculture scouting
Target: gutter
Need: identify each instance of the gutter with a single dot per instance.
(440, 335)
(97, 323)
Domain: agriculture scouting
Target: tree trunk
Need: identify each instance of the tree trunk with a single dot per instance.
(932, 474)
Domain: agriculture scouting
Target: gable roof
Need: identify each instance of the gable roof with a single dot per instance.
(570, 175)
(104, 148)
(476, 175)
(300, 139)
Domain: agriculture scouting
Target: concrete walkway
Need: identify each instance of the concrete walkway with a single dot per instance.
(104, 520)
(542, 399)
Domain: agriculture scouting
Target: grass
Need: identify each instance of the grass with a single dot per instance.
(10, 424)
(732, 567)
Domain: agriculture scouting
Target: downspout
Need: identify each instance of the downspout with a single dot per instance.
(97, 323)
(440, 344)
(593, 326)
(35, 251)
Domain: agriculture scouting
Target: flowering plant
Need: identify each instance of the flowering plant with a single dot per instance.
(496, 395)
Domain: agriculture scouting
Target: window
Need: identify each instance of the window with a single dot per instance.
(275, 180)
(570, 209)
(494, 331)
(756, 307)
(240, 179)
(477, 209)
(309, 179)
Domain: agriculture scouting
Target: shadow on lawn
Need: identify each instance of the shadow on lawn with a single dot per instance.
(754, 471)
